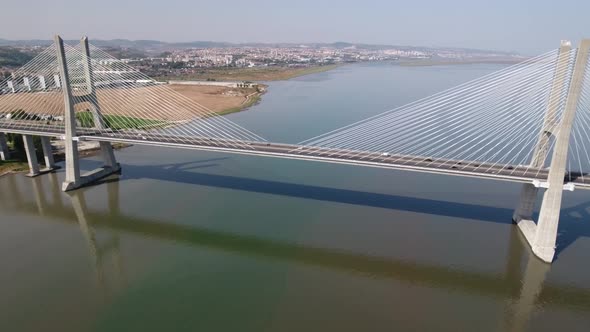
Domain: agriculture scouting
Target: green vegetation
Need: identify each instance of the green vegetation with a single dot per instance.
(9, 166)
(13, 57)
(313, 70)
(117, 122)
(255, 74)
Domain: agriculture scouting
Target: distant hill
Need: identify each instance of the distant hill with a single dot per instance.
(156, 47)
(32, 42)
(123, 52)
(13, 57)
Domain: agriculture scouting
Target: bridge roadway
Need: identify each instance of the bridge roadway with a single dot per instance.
(512, 173)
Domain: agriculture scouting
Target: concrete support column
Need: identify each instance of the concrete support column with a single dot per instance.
(99, 122)
(106, 149)
(526, 205)
(108, 155)
(47, 153)
(551, 120)
(528, 194)
(543, 244)
(31, 155)
(4, 154)
(72, 180)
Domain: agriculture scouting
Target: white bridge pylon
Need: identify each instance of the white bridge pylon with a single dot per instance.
(525, 123)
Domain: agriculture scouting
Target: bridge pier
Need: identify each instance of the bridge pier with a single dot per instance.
(526, 205)
(31, 152)
(75, 180)
(4, 154)
(47, 153)
(542, 237)
(31, 156)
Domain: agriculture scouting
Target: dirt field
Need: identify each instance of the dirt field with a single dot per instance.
(162, 102)
(216, 98)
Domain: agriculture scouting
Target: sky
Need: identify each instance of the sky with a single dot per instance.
(525, 26)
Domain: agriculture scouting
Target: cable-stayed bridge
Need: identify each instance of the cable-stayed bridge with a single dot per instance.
(526, 123)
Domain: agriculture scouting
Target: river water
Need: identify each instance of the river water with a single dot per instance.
(187, 240)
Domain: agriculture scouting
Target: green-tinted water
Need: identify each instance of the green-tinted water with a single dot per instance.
(189, 240)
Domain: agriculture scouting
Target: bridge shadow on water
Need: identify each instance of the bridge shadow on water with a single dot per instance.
(573, 221)
(185, 173)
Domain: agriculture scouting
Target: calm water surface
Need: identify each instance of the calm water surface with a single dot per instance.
(187, 241)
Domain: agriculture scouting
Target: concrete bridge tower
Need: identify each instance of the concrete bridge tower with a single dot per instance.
(73, 178)
(542, 236)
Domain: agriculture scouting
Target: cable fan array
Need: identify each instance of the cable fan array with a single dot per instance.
(494, 120)
(32, 97)
(131, 105)
(131, 99)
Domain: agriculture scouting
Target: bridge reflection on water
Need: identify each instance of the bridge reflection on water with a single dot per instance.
(522, 286)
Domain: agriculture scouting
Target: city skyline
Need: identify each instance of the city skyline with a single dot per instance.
(499, 25)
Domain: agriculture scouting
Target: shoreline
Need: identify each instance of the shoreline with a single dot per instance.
(10, 167)
(253, 74)
(299, 72)
(312, 70)
(251, 100)
(255, 98)
(15, 166)
(432, 63)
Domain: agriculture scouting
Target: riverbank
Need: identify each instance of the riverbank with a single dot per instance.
(250, 101)
(85, 149)
(256, 74)
(222, 100)
(12, 166)
(215, 97)
(444, 62)
(219, 99)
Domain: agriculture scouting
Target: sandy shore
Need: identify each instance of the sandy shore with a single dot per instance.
(216, 98)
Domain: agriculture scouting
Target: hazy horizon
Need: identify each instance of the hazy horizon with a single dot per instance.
(500, 25)
(263, 43)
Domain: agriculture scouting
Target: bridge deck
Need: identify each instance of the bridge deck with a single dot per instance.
(513, 173)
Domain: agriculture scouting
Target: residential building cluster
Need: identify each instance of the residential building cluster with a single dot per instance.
(182, 61)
